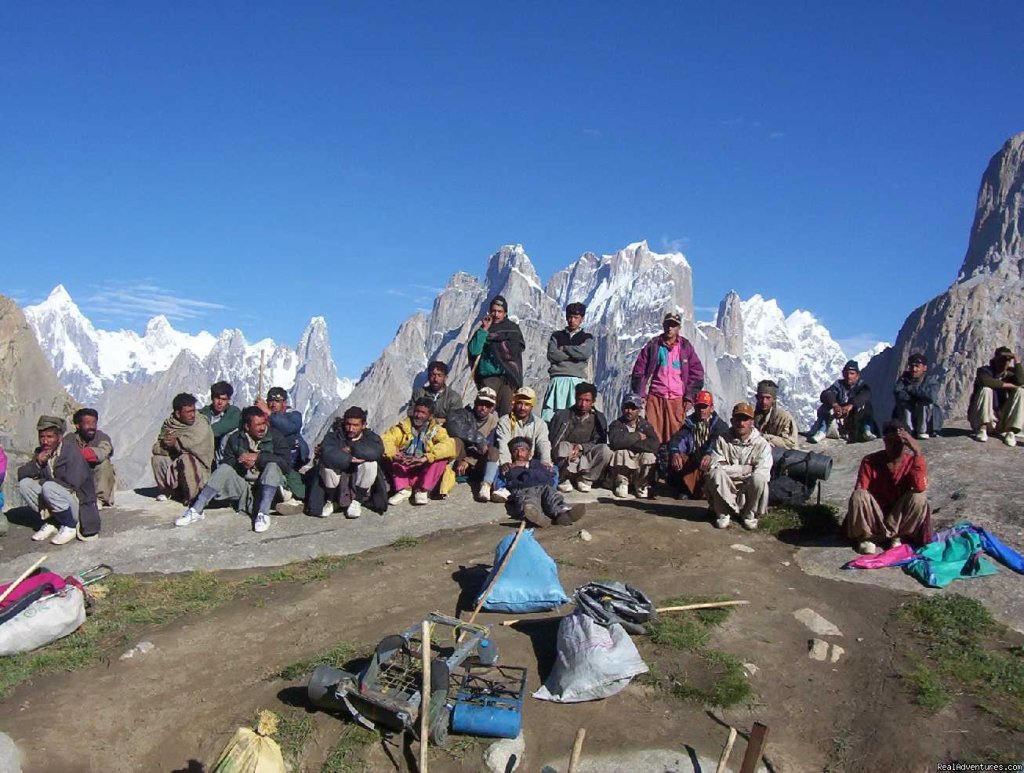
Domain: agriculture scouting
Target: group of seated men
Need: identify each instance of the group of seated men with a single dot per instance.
(667, 429)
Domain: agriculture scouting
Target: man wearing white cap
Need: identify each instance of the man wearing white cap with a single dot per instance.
(521, 422)
(473, 428)
(741, 466)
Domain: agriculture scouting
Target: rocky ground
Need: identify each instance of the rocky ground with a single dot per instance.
(208, 673)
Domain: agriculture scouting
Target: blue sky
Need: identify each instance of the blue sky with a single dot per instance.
(253, 164)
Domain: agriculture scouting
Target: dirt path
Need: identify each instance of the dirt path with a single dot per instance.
(175, 707)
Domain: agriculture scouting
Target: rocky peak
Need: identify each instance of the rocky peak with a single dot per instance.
(999, 217)
(730, 322)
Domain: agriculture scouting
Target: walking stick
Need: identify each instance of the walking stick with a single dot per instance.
(425, 692)
(259, 383)
(577, 750)
(21, 579)
(490, 586)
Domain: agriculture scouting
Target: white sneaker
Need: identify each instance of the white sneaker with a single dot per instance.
(44, 532)
(895, 543)
(1010, 439)
(84, 538)
(643, 492)
(161, 497)
(621, 490)
(817, 437)
(869, 436)
(64, 535)
(400, 496)
(722, 522)
(483, 494)
(354, 509)
(188, 517)
(749, 524)
(867, 548)
(583, 485)
(420, 497)
(565, 486)
(261, 523)
(981, 435)
(328, 510)
(922, 435)
(501, 496)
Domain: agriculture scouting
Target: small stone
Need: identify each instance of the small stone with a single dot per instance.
(742, 548)
(817, 649)
(10, 755)
(860, 638)
(128, 655)
(816, 622)
(448, 561)
(785, 563)
(505, 755)
(836, 653)
(585, 535)
(751, 669)
(145, 646)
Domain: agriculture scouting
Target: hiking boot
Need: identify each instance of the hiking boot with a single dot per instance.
(400, 496)
(483, 494)
(64, 535)
(817, 437)
(85, 537)
(44, 532)
(533, 514)
(722, 522)
(291, 507)
(188, 517)
(621, 490)
(981, 435)
(749, 523)
(328, 509)
(501, 495)
(260, 523)
(354, 509)
(570, 515)
(643, 492)
(161, 497)
(867, 548)
(565, 486)
(583, 485)
(562, 519)
(420, 497)
(1009, 439)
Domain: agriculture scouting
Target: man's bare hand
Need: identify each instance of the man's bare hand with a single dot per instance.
(675, 461)
(909, 442)
(485, 323)
(43, 456)
(248, 459)
(460, 467)
(705, 464)
(262, 405)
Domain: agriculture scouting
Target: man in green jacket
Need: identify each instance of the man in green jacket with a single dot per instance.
(222, 415)
(496, 353)
(255, 464)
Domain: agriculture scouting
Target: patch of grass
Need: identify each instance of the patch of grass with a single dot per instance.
(965, 651)
(721, 680)
(337, 656)
(346, 756)
(810, 520)
(460, 747)
(294, 730)
(127, 606)
(405, 542)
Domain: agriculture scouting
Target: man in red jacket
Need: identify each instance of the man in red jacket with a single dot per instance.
(889, 501)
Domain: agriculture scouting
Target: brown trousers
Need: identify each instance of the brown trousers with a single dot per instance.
(691, 477)
(665, 415)
(909, 517)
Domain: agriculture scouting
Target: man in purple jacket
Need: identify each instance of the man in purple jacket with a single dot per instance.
(669, 374)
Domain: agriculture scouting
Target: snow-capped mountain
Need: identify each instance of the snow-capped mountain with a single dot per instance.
(864, 357)
(131, 379)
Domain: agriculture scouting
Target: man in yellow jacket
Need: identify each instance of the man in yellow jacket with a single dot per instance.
(417, 451)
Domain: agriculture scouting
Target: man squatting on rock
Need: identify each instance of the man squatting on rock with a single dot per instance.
(222, 415)
(997, 402)
(740, 468)
(889, 503)
(634, 445)
(97, 448)
(183, 452)
(579, 441)
(58, 485)
(446, 400)
(474, 429)
(255, 464)
(776, 425)
(417, 451)
(349, 464)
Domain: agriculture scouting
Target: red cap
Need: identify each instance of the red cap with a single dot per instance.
(704, 398)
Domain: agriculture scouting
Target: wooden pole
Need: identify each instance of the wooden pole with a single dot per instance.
(724, 759)
(577, 749)
(21, 578)
(259, 383)
(425, 692)
(504, 562)
(755, 748)
(709, 605)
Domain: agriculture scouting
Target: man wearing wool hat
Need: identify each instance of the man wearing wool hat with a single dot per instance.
(776, 424)
(846, 409)
(58, 479)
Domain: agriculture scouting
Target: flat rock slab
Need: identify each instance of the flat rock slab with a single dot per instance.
(816, 622)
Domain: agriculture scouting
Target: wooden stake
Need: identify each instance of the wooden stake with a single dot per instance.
(724, 759)
(425, 692)
(10, 588)
(577, 749)
(755, 748)
(709, 605)
(504, 562)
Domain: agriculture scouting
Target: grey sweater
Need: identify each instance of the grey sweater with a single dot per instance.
(569, 354)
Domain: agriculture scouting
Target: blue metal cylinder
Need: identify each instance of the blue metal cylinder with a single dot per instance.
(472, 719)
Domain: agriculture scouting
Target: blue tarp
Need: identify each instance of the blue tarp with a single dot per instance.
(530, 581)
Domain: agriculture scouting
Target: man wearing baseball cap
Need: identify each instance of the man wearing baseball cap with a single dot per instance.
(997, 402)
(690, 447)
(915, 398)
(521, 422)
(846, 407)
(474, 429)
(668, 374)
(634, 445)
(739, 470)
(287, 423)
